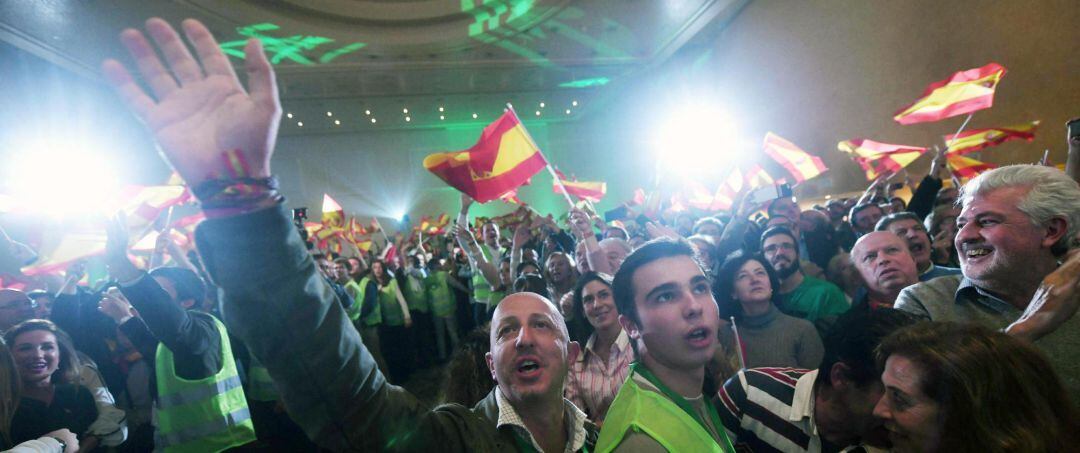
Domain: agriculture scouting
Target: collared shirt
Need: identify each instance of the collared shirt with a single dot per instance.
(574, 418)
(955, 298)
(593, 383)
(772, 409)
(935, 271)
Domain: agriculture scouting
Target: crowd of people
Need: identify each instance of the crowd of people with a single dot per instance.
(940, 323)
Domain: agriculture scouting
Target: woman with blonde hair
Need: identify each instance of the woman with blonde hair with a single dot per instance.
(956, 387)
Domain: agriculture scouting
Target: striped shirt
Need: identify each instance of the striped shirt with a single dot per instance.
(592, 383)
(772, 409)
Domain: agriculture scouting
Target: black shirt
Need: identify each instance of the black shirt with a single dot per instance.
(72, 408)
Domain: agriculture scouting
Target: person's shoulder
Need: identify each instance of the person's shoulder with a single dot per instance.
(795, 324)
(935, 288)
(819, 286)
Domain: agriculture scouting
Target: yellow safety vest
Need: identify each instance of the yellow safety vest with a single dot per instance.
(203, 415)
(644, 411)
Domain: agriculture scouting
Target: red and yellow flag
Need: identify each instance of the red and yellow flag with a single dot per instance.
(511, 197)
(879, 158)
(965, 167)
(963, 92)
(725, 195)
(976, 139)
(333, 215)
(799, 163)
(696, 196)
(758, 177)
(504, 158)
(586, 190)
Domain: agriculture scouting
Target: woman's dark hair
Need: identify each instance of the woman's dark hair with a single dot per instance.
(67, 370)
(521, 266)
(468, 379)
(996, 393)
(386, 277)
(724, 286)
(531, 283)
(579, 303)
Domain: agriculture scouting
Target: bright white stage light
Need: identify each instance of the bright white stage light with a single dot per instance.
(697, 139)
(60, 177)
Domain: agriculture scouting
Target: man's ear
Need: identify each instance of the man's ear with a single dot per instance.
(839, 376)
(491, 366)
(1056, 228)
(630, 327)
(573, 351)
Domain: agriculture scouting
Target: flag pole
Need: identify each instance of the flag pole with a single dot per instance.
(381, 229)
(958, 131)
(738, 344)
(558, 181)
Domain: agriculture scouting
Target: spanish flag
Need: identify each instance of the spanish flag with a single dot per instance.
(966, 168)
(974, 140)
(758, 177)
(725, 195)
(699, 197)
(504, 158)
(333, 216)
(964, 92)
(801, 165)
(879, 158)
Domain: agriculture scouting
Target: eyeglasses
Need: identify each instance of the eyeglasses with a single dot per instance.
(17, 304)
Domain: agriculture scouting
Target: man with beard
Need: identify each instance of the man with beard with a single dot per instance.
(801, 296)
(1016, 224)
(908, 226)
(886, 267)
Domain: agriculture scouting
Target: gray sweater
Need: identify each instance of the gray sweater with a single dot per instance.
(776, 340)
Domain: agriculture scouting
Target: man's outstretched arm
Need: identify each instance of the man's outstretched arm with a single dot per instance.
(219, 137)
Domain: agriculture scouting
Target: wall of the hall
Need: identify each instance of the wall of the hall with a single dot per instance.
(821, 71)
(814, 71)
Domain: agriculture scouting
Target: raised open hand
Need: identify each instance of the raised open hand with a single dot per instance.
(198, 112)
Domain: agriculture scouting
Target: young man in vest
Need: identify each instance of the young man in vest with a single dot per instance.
(286, 312)
(667, 309)
(199, 403)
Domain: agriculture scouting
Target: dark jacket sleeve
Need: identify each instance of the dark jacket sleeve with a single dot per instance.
(193, 338)
(371, 297)
(922, 201)
(289, 317)
(77, 314)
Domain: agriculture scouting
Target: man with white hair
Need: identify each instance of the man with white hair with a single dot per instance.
(1015, 227)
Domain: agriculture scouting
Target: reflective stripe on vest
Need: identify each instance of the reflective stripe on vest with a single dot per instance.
(202, 415)
(481, 288)
(651, 413)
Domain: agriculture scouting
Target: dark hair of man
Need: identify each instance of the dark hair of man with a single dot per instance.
(901, 200)
(853, 340)
(188, 284)
(724, 286)
(855, 210)
(707, 221)
(578, 297)
(319, 256)
(771, 208)
(883, 224)
(996, 393)
(522, 265)
(779, 229)
(622, 284)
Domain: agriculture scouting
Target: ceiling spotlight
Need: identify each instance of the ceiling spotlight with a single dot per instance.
(373, 121)
(337, 122)
(442, 117)
(537, 113)
(541, 104)
(475, 116)
(289, 115)
(367, 112)
(329, 113)
(567, 111)
(404, 110)
(407, 119)
(573, 103)
(440, 108)
(300, 124)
